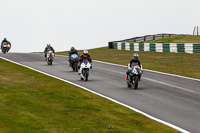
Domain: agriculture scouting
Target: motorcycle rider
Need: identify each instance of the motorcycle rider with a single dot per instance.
(85, 56)
(48, 48)
(136, 61)
(71, 52)
(5, 40)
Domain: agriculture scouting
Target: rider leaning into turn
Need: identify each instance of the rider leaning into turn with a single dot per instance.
(85, 56)
(48, 48)
(136, 61)
(71, 52)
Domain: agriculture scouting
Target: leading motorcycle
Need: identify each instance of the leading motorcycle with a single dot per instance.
(50, 57)
(134, 76)
(84, 70)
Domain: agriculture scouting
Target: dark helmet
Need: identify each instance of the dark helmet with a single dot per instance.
(48, 45)
(5, 39)
(135, 56)
(85, 53)
(72, 49)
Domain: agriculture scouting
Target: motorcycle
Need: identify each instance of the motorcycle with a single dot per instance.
(50, 57)
(74, 62)
(134, 76)
(84, 70)
(5, 47)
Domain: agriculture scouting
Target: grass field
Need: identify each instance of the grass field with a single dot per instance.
(174, 63)
(178, 39)
(31, 102)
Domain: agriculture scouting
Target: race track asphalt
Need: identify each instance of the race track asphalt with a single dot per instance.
(170, 98)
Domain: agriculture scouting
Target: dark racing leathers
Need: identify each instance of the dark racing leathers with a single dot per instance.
(71, 53)
(48, 49)
(137, 62)
(7, 44)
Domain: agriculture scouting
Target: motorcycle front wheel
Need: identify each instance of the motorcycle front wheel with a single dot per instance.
(50, 62)
(86, 77)
(136, 82)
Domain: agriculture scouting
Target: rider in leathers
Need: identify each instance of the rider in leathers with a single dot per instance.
(135, 60)
(48, 48)
(85, 56)
(5, 40)
(71, 52)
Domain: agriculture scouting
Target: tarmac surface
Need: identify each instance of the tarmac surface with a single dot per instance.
(170, 98)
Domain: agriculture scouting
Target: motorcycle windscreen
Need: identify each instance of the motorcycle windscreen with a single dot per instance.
(50, 53)
(74, 56)
(5, 43)
(85, 62)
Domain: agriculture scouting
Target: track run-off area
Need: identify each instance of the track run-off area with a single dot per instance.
(170, 99)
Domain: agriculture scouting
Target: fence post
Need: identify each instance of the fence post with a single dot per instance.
(194, 30)
(197, 30)
(162, 35)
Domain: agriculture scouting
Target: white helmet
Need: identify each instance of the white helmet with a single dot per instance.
(85, 53)
(135, 56)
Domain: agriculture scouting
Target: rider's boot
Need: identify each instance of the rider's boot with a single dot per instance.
(140, 78)
(126, 78)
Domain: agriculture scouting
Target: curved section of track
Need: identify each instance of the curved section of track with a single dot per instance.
(173, 99)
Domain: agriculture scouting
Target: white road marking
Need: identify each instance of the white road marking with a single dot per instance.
(127, 106)
(148, 70)
(156, 81)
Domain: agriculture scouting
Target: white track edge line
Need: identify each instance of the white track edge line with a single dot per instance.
(149, 70)
(156, 81)
(108, 63)
(120, 103)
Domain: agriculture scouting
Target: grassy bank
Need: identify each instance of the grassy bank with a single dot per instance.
(174, 63)
(178, 39)
(32, 102)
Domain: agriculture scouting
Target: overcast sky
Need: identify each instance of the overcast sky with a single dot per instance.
(30, 24)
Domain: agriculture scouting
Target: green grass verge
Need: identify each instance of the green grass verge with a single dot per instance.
(31, 102)
(178, 39)
(174, 63)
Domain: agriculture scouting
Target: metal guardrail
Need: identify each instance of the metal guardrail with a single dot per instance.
(144, 38)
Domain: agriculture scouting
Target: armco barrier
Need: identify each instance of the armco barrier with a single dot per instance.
(159, 47)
